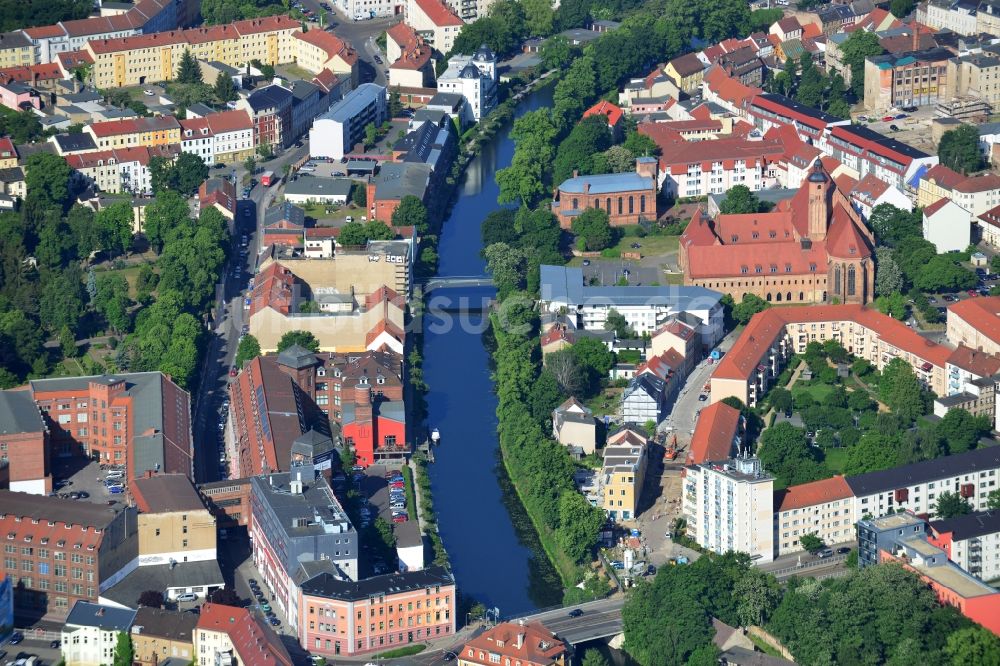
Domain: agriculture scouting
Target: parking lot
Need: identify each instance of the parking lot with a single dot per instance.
(87, 483)
(914, 128)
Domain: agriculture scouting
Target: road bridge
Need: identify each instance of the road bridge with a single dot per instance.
(452, 282)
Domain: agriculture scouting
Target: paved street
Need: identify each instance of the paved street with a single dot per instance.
(361, 35)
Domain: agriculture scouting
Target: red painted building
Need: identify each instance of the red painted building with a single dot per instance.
(375, 429)
(24, 444)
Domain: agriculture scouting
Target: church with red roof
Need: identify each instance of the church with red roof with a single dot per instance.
(812, 248)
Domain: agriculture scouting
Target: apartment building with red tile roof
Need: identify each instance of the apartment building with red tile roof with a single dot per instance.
(219, 193)
(121, 169)
(976, 194)
(100, 540)
(716, 434)
(613, 113)
(435, 21)
(810, 249)
(747, 371)
(319, 50)
(721, 88)
(527, 644)
(230, 631)
(408, 57)
(823, 508)
(975, 323)
(40, 76)
(700, 168)
(129, 132)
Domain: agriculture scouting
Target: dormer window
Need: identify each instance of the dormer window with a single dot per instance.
(758, 269)
(321, 372)
(380, 380)
(788, 268)
(755, 235)
(734, 238)
(774, 268)
(744, 270)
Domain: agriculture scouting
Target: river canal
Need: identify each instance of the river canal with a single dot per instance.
(491, 544)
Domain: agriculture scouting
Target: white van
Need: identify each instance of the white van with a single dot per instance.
(115, 474)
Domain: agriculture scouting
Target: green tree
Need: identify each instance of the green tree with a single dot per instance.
(114, 226)
(705, 655)
(526, 179)
(859, 45)
(640, 145)
(893, 305)
(304, 339)
(961, 430)
(993, 500)
(123, 650)
(579, 524)
(900, 389)
(593, 354)
(594, 658)
(46, 177)
(411, 212)
(575, 91)
(616, 159)
(811, 542)
(959, 149)
(62, 301)
(565, 368)
(901, 8)
(758, 595)
(247, 350)
(113, 302)
(164, 215)
(538, 17)
(188, 71)
(67, 342)
(593, 229)
(250, 164)
(888, 276)
(973, 645)
(874, 451)
(944, 273)
(740, 200)
(359, 195)
(224, 88)
(951, 504)
(780, 399)
(395, 103)
(786, 454)
(748, 307)
(556, 53)
(371, 135)
(616, 322)
(576, 153)
(508, 266)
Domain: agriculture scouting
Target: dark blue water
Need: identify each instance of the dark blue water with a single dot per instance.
(484, 530)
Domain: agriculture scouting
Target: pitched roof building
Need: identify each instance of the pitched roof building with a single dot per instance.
(530, 644)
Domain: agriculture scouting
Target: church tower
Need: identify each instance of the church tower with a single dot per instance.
(819, 201)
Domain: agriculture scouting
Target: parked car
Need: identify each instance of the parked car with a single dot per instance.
(843, 550)
(862, 119)
(823, 554)
(232, 371)
(617, 564)
(888, 119)
(16, 638)
(148, 93)
(187, 596)
(576, 612)
(901, 116)
(702, 398)
(399, 519)
(274, 621)
(586, 262)
(894, 128)
(54, 645)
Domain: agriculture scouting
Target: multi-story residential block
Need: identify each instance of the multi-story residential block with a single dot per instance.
(527, 644)
(824, 509)
(767, 111)
(16, 50)
(220, 194)
(975, 323)
(66, 550)
(118, 170)
(989, 227)
(759, 354)
(270, 108)
(335, 133)
(976, 75)
(645, 308)
(627, 198)
(435, 22)
(342, 618)
(132, 132)
(717, 434)
(686, 71)
(809, 249)
(901, 538)
(475, 79)
(298, 527)
(976, 194)
(917, 78)
(91, 631)
(729, 506)
(956, 15)
(871, 191)
(148, 58)
(643, 399)
(223, 137)
(409, 58)
(623, 473)
(366, 9)
(971, 541)
(972, 383)
(394, 182)
(699, 168)
(317, 50)
(231, 635)
(175, 526)
(158, 634)
(868, 152)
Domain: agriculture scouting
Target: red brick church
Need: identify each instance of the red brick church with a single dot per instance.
(812, 248)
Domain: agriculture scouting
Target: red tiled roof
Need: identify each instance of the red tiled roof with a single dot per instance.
(139, 154)
(604, 107)
(44, 32)
(765, 327)
(402, 34)
(195, 35)
(677, 328)
(811, 494)
(381, 294)
(330, 43)
(870, 188)
(7, 148)
(982, 314)
(322, 232)
(415, 54)
(941, 175)
(555, 334)
(681, 154)
(977, 362)
(149, 41)
(326, 80)
(439, 13)
(266, 24)
(273, 289)
(811, 30)
(991, 217)
(255, 643)
(627, 437)
(714, 433)
(384, 326)
(729, 89)
(133, 126)
(936, 206)
(538, 646)
(70, 59)
(229, 121)
(30, 73)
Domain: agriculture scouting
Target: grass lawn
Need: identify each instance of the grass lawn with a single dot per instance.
(836, 460)
(817, 391)
(606, 402)
(762, 646)
(411, 497)
(294, 71)
(402, 652)
(672, 278)
(651, 245)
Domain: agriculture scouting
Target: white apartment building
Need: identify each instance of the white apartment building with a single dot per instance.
(947, 225)
(475, 78)
(91, 633)
(956, 15)
(730, 507)
(335, 133)
(360, 10)
(972, 542)
(646, 309)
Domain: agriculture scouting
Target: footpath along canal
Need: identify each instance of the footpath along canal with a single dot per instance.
(490, 541)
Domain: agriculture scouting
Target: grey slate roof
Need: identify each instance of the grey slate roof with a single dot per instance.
(319, 186)
(316, 504)
(69, 143)
(326, 585)
(607, 182)
(296, 357)
(284, 212)
(163, 577)
(565, 284)
(446, 100)
(108, 618)
(42, 507)
(924, 471)
(269, 97)
(162, 623)
(18, 413)
(354, 103)
(979, 523)
(396, 180)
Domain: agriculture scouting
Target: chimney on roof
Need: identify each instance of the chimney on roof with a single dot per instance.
(916, 35)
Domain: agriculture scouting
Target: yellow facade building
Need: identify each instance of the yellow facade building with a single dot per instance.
(16, 50)
(174, 524)
(623, 474)
(134, 132)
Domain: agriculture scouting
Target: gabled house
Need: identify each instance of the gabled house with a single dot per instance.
(642, 399)
(573, 426)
